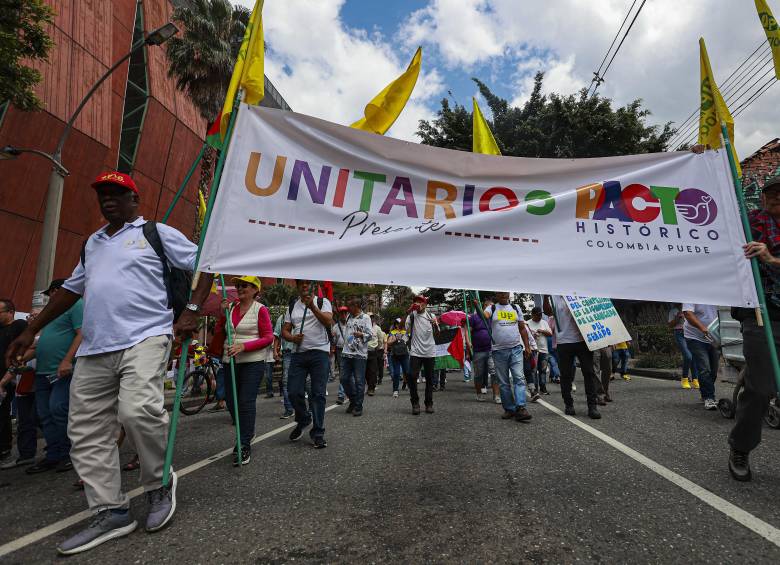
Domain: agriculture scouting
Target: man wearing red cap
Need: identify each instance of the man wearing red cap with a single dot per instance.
(127, 332)
(420, 326)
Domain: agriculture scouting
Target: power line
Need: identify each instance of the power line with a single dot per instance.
(596, 76)
(617, 50)
(682, 127)
(766, 86)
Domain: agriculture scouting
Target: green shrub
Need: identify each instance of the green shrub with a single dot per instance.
(657, 361)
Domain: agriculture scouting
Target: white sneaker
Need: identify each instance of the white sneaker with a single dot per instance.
(395, 394)
(480, 397)
(573, 387)
(483, 391)
(710, 404)
(497, 400)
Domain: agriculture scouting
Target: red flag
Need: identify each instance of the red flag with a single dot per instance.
(456, 348)
(329, 290)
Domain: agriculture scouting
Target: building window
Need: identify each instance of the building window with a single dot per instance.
(136, 97)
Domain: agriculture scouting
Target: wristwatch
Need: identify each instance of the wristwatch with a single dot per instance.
(192, 307)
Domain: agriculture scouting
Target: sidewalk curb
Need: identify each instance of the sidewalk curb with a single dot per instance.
(664, 374)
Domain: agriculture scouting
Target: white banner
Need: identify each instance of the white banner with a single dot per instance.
(305, 198)
(598, 321)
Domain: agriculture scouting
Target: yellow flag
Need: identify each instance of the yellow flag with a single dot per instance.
(386, 106)
(248, 72)
(482, 138)
(201, 208)
(713, 110)
(772, 30)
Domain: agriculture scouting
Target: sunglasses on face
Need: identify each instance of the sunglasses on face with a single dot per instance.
(244, 285)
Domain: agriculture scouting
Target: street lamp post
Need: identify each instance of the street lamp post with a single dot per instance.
(44, 268)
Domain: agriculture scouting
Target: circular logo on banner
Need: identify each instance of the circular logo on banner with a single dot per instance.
(696, 206)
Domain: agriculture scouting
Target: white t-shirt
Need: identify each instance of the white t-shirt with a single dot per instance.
(423, 343)
(541, 339)
(315, 335)
(566, 329)
(504, 328)
(706, 315)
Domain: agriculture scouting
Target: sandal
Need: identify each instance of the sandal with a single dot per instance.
(132, 465)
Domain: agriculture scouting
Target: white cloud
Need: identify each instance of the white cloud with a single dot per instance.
(325, 69)
(659, 62)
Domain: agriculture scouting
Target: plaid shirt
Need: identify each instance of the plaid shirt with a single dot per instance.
(765, 229)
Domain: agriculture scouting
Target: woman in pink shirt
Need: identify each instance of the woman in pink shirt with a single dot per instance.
(252, 346)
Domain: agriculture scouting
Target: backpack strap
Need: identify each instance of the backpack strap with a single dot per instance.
(152, 236)
(84, 253)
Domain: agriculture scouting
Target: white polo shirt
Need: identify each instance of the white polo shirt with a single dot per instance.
(125, 301)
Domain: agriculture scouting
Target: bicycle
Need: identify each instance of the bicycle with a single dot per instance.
(201, 381)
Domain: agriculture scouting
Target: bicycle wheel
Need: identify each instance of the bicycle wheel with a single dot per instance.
(193, 382)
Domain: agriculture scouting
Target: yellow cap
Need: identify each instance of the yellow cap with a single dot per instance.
(249, 279)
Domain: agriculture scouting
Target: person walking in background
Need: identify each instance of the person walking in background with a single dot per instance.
(602, 365)
(676, 322)
(355, 355)
(540, 330)
(398, 355)
(698, 318)
(375, 355)
(620, 356)
(250, 326)
(10, 329)
(282, 351)
(339, 331)
(481, 345)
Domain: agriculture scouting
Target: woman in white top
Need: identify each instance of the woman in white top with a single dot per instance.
(253, 339)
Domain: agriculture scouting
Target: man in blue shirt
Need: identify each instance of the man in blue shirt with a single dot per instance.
(126, 342)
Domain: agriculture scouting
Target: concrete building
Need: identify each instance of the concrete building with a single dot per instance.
(137, 122)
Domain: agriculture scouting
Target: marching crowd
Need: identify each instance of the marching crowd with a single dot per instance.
(91, 364)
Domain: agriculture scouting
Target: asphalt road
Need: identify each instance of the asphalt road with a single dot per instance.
(458, 486)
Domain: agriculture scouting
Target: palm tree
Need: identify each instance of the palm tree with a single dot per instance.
(202, 58)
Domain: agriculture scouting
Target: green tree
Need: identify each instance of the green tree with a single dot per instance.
(23, 39)
(553, 125)
(278, 294)
(202, 58)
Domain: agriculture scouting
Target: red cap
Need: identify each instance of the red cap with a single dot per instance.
(117, 178)
(343, 309)
(420, 298)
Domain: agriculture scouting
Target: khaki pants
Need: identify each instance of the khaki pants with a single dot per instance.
(108, 390)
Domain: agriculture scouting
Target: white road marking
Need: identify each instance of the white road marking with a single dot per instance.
(763, 529)
(51, 529)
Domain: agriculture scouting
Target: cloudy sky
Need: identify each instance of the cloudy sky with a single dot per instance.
(329, 57)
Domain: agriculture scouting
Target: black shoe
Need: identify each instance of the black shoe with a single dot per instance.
(522, 414)
(593, 413)
(370, 392)
(339, 401)
(507, 415)
(350, 407)
(435, 388)
(569, 411)
(42, 466)
(246, 456)
(429, 409)
(441, 388)
(357, 412)
(287, 414)
(739, 465)
(543, 390)
(269, 395)
(297, 432)
(64, 466)
(416, 409)
(320, 443)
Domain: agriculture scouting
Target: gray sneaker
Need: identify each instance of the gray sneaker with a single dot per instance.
(106, 526)
(10, 463)
(162, 505)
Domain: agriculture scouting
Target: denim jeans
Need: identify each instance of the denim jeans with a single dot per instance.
(313, 363)
(220, 378)
(288, 407)
(679, 337)
(509, 365)
(248, 376)
(555, 371)
(540, 371)
(268, 377)
(620, 360)
(353, 379)
(480, 366)
(51, 403)
(399, 364)
(26, 426)
(706, 358)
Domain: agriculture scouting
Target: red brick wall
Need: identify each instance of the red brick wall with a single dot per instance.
(89, 35)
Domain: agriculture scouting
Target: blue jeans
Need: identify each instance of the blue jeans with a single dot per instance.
(51, 402)
(248, 376)
(268, 377)
(510, 361)
(540, 371)
(288, 407)
(555, 371)
(26, 426)
(399, 365)
(620, 360)
(705, 358)
(220, 377)
(679, 337)
(353, 379)
(314, 363)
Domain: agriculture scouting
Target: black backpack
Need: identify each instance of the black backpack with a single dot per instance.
(177, 281)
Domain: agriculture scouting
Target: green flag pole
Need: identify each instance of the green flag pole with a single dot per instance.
(186, 344)
(187, 178)
(762, 315)
(229, 327)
